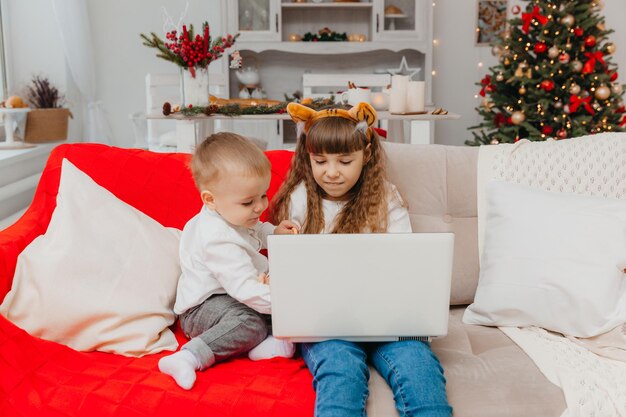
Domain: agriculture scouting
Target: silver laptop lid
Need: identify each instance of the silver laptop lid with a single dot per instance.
(360, 287)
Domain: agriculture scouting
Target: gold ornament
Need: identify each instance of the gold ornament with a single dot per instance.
(553, 52)
(598, 4)
(522, 90)
(499, 77)
(577, 66)
(558, 105)
(523, 71)
(518, 117)
(603, 92)
(568, 20)
(506, 62)
(601, 26)
(610, 48)
(574, 89)
(568, 46)
(617, 88)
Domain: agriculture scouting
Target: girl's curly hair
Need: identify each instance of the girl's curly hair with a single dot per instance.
(366, 209)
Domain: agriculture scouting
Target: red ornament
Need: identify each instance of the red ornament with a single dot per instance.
(547, 85)
(546, 130)
(579, 31)
(590, 41)
(561, 134)
(614, 76)
(540, 48)
(516, 9)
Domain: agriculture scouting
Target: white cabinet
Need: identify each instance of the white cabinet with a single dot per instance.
(402, 19)
(254, 20)
(387, 31)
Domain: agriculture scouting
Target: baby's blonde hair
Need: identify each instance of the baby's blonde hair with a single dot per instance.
(227, 153)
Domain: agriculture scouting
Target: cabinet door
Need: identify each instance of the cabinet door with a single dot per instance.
(402, 19)
(254, 20)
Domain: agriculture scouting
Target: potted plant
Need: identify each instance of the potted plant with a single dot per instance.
(48, 120)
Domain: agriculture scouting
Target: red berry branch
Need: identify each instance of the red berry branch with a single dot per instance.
(188, 50)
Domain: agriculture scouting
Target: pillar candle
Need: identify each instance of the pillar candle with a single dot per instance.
(398, 93)
(415, 96)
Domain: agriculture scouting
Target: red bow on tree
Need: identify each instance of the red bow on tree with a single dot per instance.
(485, 82)
(575, 102)
(592, 57)
(527, 18)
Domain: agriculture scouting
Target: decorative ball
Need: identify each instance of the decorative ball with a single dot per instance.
(494, 141)
(577, 66)
(614, 76)
(603, 92)
(547, 85)
(568, 46)
(579, 32)
(547, 130)
(610, 48)
(574, 89)
(496, 50)
(558, 105)
(518, 117)
(564, 58)
(561, 134)
(516, 9)
(522, 90)
(598, 4)
(499, 77)
(506, 62)
(568, 20)
(553, 52)
(566, 109)
(14, 102)
(590, 41)
(540, 47)
(617, 88)
(601, 26)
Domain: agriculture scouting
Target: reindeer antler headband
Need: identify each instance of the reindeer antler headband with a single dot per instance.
(363, 114)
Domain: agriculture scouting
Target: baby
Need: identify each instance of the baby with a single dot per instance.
(223, 299)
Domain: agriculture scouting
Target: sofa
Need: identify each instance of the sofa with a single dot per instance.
(487, 374)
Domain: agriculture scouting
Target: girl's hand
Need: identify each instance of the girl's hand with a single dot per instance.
(264, 278)
(286, 227)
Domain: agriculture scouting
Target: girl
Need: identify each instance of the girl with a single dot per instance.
(337, 184)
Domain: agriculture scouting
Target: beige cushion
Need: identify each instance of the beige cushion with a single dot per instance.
(487, 376)
(439, 185)
(103, 276)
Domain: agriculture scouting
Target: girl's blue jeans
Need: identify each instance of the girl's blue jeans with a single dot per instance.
(340, 377)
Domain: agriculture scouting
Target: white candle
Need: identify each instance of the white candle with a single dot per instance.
(415, 96)
(398, 93)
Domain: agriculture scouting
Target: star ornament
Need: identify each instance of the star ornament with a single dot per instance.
(404, 69)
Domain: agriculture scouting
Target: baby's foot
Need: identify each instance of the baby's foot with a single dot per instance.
(181, 366)
(272, 348)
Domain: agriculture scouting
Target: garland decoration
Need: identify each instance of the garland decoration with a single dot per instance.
(325, 35)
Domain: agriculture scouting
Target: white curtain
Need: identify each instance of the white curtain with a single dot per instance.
(73, 24)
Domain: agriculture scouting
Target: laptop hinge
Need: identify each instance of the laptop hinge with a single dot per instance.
(417, 338)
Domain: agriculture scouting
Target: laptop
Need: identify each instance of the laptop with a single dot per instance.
(360, 287)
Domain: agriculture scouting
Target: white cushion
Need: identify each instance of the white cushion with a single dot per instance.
(103, 276)
(552, 260)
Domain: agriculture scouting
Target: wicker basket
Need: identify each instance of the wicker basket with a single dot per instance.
(46, 125)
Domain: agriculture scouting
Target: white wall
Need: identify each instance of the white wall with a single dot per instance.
(33, 47)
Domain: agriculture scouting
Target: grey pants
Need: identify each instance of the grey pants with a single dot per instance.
(222, 327)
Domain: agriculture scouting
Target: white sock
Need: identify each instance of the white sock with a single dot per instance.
(181, 366)
(271, 348)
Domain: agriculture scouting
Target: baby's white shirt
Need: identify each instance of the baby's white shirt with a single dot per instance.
(219, 258)
(398, 220)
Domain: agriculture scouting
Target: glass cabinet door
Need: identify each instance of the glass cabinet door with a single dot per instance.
(401, 19)
(254, 20)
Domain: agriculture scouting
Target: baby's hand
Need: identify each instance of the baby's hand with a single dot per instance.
(286, 227)
(264, 278)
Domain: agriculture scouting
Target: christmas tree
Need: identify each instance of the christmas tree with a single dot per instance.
(555, 77)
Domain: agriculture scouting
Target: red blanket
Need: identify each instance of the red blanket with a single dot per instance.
(42, 378)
